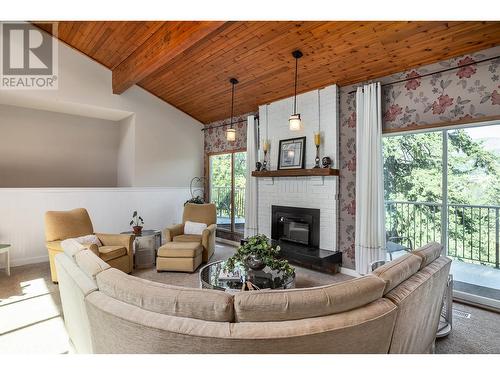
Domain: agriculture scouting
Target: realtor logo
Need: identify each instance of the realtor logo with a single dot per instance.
(28, 56)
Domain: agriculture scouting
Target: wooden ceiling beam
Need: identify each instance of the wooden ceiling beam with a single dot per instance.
(167, 44)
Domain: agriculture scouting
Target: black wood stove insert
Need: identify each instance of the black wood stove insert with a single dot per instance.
(297, 230)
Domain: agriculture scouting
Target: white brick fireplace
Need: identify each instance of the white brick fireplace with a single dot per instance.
(319, 110)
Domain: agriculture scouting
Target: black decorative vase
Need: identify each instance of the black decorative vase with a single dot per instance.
(255, 262)
(258, 166)
(327, 162)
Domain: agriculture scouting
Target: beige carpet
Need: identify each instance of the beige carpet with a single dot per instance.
(304, 277)
(478, 333)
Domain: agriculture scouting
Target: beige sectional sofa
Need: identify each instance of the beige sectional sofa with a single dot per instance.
(394, 310)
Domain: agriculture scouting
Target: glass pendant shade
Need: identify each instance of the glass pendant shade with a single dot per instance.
(231, 135)
(294, 122)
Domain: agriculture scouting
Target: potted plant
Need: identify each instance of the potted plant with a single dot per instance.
(137, 223)
(257, 253)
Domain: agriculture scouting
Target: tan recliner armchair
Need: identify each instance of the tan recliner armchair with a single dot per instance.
(116, 249)
(200, 213)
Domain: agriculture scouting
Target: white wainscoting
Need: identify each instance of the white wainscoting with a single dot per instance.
(22, 213)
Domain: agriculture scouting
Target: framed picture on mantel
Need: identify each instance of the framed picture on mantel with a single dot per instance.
(292, 153)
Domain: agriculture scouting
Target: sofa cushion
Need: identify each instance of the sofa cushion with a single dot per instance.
(280, 305)
(406, 288)
(429, 253)
(71, 247)
(180, 250)
(88, 240)
(188, 238)
(398, 270)
(111, 252)
(171, 300)
(90, 263)
(192, 227)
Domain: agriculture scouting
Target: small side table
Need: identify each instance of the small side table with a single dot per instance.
(145, 247)
(4, 249)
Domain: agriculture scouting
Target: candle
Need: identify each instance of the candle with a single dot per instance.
(266, 145)
(317, 138)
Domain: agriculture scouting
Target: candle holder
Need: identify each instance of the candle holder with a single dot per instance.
(317, 160)
(266, 150)
(317, 142)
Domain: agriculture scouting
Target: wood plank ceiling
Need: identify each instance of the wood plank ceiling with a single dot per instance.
(188, 64)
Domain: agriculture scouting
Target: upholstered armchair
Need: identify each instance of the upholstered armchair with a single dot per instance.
(116, 249)
(199, 213)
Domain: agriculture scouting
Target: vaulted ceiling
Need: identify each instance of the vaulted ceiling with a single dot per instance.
(188, 63)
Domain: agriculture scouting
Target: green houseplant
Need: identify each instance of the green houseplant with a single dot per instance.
(137, 223)
(259, 249)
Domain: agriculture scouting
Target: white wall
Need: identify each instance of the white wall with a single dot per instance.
(168, 142)
(160, 147)
(110, 210)
(46, 149)
(126, 153)
(318, 109)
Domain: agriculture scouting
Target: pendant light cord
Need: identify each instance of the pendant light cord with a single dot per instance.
(232, 103)
(295, 95)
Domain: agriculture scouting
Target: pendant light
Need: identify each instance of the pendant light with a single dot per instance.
(231, 132)
(294, 121)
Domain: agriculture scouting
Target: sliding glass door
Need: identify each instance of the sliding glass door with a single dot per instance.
(444, 186)
(227, 190)
(473, 220)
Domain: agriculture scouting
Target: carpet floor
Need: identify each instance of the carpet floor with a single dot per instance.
(31, 319)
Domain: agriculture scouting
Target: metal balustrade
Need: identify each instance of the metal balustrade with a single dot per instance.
(221, 196)
(470, 232)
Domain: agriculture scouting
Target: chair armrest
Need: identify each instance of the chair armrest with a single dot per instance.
(54, 245)
(208, 241)
(208, 236)
(170, 232)
(125, 240)
(208, 231)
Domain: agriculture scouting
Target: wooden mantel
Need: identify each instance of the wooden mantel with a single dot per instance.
(297, 172)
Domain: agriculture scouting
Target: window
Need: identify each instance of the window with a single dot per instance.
(227, 191)
(444, 186)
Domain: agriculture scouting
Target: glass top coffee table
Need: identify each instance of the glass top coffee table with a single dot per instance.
(263, 279)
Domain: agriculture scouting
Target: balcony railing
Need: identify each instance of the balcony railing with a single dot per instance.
(471, 233)
(221, 196)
